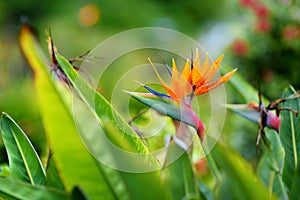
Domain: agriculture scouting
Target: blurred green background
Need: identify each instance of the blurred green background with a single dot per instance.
(261, 38)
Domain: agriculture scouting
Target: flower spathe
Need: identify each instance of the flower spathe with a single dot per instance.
(196, 78)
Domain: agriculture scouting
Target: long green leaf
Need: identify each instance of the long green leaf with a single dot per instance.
(99, 106)
(290, 136)
(24, 163)
(169, 109)
(295, 192)
(129, 185)
(271, 166)
(53, 177)
(25, 191)
(239, 179)
(247, 92)
(248, 113)
(178, 174)
(76, 165)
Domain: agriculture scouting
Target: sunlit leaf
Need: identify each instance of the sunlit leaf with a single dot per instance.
(205, 191)
(178, 174)
(271, 165)
(238, 176)
(103, 110)
(24, 163)
(245, 90)
(290, 136)
(4, 170)
(76, 165)
(26, 191)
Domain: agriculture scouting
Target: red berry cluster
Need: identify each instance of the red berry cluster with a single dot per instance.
(262, 24)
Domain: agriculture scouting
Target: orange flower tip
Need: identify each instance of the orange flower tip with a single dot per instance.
(227, 76)
(219, 60)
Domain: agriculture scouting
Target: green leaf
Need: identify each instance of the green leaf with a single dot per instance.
(25, 191)
(24, 163)
(78, 194)
(295, 192)
(178, 174)
(290, 136)
(238, 177)
(4, 170)
(244, 111)
(103, 110)
(247, 92)
(129, 185)
(168, 109)
(205, 191)
(271, 165)
(76, 165)
(53, 176)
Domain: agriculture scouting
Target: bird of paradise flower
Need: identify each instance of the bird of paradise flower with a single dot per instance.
(195, 79)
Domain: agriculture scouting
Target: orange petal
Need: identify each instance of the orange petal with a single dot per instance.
(168, 90)
(174, 79)
(213, 69)
(186, 70)
(210, 86)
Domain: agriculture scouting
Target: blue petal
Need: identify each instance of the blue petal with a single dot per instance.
(156, 93)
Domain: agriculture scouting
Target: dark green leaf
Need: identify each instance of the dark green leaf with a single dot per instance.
(78, 194)
(295, 192)
(24, 163)
(53, 176)
(290, 136)
(271, 165)
(25, 191)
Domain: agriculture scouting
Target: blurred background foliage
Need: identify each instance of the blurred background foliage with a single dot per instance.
(261, 38)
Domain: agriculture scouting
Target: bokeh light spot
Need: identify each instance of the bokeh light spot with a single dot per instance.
(89, 15)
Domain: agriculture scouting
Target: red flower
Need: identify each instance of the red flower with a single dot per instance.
(291, 32)
(263, 25)
(246, 3)
(260, 10)
(240, 47)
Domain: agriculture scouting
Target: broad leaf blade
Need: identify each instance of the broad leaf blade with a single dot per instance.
(290, 137)
(25, 191)
(271, 166)
(71, 157)
(24, 163)
(240, 181)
